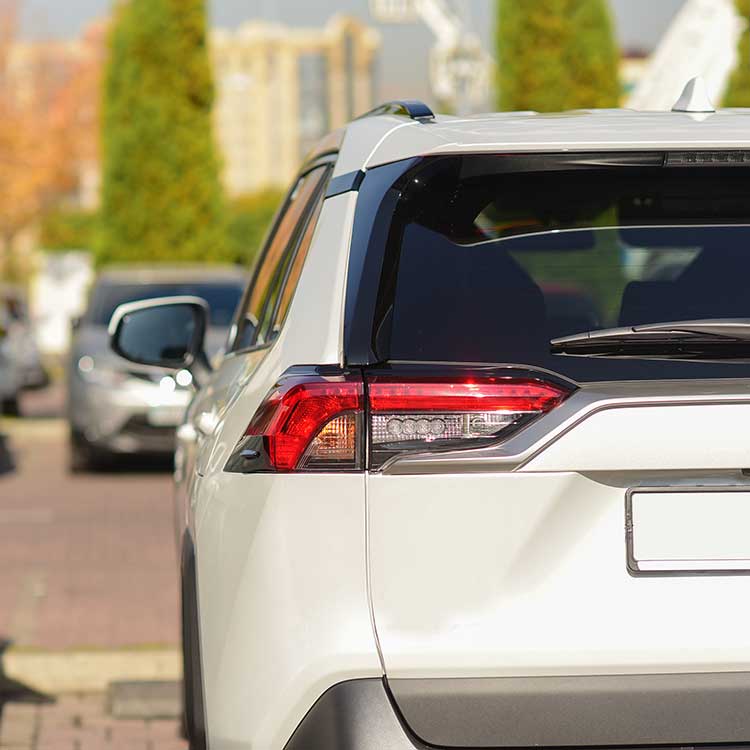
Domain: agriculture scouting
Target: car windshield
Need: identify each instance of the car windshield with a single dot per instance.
(222, 298)
(490, 268)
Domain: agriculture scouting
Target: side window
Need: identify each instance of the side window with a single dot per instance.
(294, 270)
(260, 306)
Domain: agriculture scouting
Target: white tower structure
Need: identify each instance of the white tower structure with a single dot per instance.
(460, 69)
(701, 41)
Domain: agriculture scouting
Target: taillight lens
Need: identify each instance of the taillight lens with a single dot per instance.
(314, 419)
(311, 423)
(443, 414)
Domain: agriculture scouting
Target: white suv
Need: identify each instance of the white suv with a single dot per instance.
(474, 470)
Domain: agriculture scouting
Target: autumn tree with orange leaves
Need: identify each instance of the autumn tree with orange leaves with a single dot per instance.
(34, 168)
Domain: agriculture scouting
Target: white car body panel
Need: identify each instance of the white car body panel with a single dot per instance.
(283, 600)
(361, 138)
(651, 438)
(462, 584)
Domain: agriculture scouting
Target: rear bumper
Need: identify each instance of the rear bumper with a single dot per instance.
(580, 711)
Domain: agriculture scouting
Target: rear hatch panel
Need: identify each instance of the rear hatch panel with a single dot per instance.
(517, 578)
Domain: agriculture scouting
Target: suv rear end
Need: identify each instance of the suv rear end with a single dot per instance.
(472, 473)
(557, 528)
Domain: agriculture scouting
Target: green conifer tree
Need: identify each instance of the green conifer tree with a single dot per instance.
(555, 55)
(161, 195)
(738, 90)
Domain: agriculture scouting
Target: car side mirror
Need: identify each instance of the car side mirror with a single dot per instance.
(164, 332)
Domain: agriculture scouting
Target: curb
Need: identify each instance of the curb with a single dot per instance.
(90, 671)
(44, 429)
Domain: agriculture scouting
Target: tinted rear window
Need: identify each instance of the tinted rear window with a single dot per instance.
(222, 298)
(489, 267)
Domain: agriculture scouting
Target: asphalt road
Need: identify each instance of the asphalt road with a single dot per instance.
(86, 561)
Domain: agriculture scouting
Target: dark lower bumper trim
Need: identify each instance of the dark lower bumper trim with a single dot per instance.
(578, 711)
(636, 712)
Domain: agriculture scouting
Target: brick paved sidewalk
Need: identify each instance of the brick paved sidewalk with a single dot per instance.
(88, 561)
(82, 722)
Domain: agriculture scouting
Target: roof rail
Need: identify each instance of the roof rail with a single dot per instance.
(412, 108)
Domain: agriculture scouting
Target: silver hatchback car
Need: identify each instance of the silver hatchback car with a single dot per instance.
(117, 408)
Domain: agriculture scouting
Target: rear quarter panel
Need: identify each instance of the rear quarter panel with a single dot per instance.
(281, 560)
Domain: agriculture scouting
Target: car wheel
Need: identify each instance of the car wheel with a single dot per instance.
(83, 455)
(194, 722)
(11, 406)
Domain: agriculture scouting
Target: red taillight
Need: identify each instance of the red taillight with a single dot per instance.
(439, 414)
(311, 423)
(463, 395)
(315, 422)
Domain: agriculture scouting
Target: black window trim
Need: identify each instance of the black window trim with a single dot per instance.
(327, 159)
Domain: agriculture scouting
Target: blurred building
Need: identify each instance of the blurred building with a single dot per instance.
(280, 89)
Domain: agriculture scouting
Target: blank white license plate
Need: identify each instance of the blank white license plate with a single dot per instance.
(688, 531)
(165, 416)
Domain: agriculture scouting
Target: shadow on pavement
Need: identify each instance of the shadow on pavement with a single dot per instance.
(135, 465)
(6, 458)
(12, 691)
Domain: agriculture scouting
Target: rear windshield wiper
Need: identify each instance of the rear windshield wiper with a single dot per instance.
(692, 335)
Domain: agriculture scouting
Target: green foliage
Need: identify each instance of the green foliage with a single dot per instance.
(555, 55)
(161, 195)
(738, 89)
(250, 217)
(68, 230)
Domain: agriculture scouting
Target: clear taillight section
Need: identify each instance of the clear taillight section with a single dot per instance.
(311, 423)
(444, 414)
(316, 422)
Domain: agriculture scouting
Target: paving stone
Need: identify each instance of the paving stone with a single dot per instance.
(145, 700)
(162, 729)
(83, 722)
(17, 727)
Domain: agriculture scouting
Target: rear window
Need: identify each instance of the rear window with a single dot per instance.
(222, 298)
(488, 266)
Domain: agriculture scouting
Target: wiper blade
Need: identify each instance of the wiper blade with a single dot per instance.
(709, 331)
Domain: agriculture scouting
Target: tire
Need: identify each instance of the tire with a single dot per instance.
(83, 456)
(11, 407)
(193, 719)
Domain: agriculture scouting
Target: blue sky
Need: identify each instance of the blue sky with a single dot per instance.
(403, 65)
